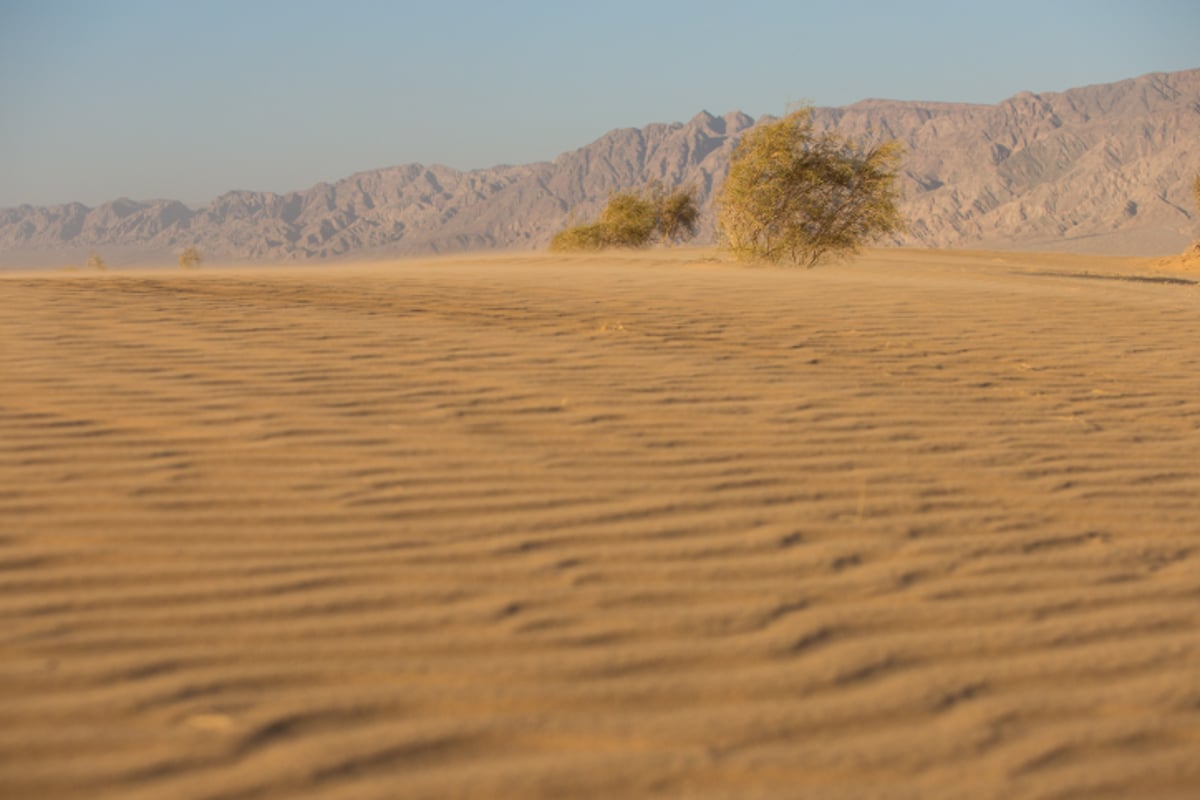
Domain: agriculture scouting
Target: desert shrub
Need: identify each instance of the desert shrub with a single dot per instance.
(94, 261)
(629, 220)
(635, 219)
(806, 197)
(190, 258)
(581, 237)
(678, 216)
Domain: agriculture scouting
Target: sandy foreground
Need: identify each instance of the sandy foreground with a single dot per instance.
(922, 525)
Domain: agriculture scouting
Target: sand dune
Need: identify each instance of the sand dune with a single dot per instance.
(924, 525)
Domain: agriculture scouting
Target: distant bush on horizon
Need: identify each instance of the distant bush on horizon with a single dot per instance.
(636, 219)
(795, 194)
(190, 258)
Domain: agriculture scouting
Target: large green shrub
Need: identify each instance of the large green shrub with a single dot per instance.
(798, 195)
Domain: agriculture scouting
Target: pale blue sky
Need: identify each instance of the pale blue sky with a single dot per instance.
(158, 98)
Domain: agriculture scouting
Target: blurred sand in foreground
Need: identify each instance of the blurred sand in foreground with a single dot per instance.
(922, 525)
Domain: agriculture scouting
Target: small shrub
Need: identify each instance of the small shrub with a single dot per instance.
(629, 220)
(190, 258)
(581, 237)
(94, 261)
(634, 219)
(678, 217)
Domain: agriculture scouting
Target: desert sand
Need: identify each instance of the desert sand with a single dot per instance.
(922, 525)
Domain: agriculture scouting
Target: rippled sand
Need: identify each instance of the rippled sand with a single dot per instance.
(924, 525)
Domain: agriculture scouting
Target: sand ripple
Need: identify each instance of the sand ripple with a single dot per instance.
(924, 526)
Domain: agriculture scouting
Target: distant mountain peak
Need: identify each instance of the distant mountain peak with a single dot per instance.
(1101, 168)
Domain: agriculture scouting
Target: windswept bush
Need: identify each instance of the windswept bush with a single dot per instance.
(190, 258)
(629, 219)
(582, 237)
(635, 219)
(795, 194)
(678, 217)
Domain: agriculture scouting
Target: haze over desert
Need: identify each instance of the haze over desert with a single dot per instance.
(1100, 169)
(919, 525)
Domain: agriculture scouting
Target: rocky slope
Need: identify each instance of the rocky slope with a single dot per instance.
(1103, 168)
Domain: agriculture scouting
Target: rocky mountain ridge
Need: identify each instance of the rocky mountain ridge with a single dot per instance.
(1104, 168)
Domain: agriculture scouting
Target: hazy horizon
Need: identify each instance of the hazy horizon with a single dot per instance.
(146, 100)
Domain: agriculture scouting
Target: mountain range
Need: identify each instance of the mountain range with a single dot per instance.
(1103, 169)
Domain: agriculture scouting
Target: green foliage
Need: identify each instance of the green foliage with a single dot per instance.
(630, 220)
(581, 237)
(190, 258)
(94, 261)
(806, 197)
(678, 217)
(635, 219)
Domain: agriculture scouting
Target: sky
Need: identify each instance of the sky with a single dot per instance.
(101, 99)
